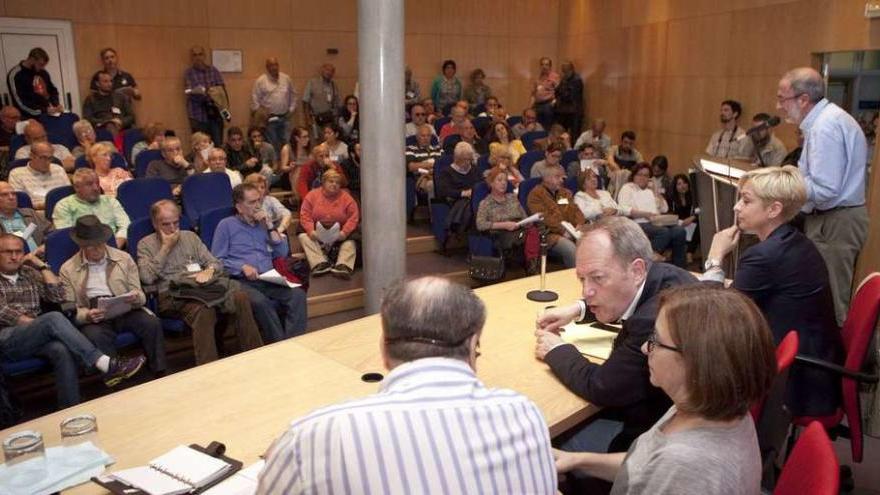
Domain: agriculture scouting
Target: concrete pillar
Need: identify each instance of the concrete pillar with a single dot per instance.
(380, 74)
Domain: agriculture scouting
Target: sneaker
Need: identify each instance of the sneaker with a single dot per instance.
(122, 368)
(321, 268)
(341, 271)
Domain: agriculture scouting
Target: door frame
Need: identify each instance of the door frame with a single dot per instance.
(63, 30)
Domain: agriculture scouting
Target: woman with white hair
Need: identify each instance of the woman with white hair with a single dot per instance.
(786, 277)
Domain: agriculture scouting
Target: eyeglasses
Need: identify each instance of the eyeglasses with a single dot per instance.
(786, 98)
(653, 343)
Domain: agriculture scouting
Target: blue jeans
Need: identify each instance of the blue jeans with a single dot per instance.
(565, 249)
(264, 297)
(663, 238)
(278, 132)
(52, 336)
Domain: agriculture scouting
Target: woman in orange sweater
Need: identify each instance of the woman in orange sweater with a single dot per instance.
(329, 216)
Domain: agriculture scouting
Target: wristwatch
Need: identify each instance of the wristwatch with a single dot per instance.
(710, 264)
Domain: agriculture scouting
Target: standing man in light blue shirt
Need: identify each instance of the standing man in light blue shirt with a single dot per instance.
(833, 164)
(247, 245)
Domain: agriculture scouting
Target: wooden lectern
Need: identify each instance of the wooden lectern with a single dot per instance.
(716, 184)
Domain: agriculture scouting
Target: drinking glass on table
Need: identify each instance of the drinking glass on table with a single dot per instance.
(79, 437)
(25, 453)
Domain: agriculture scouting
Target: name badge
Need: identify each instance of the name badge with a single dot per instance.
(329, 97)
(193, 267)
(562, 201)
(116, 110)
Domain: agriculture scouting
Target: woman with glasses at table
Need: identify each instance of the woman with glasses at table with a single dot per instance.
(712, 353)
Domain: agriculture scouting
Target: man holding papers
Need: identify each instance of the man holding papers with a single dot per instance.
(246, 246)
(98, 273)
(203, 296)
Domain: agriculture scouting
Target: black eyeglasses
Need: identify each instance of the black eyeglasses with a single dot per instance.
(654, 343)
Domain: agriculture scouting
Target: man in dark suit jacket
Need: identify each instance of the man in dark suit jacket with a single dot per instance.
(620, 283)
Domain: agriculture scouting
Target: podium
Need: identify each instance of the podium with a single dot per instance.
(716, 182)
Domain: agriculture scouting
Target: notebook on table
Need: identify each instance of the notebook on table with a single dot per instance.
(182, 470)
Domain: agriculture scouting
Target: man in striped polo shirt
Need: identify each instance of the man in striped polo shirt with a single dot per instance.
(433, 427)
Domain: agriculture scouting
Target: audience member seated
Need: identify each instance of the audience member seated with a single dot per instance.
(455, 186)
(9, 117)
(85, 137)
(762, 147)
(247, 244)
(200, 145)
(27, 331)
(173, 167)
(552, 157)
(559, 135)
(329, 206)
(418, 116)
(263, 150)
(34, 132)
(446, 88)
(469, 135)
(712, 354)
(39, 176)
(217, 163)
(500, 138)
(349, 119)
(494, 110)
(726, 142)
(106, 108)
(100, 157)
(420, 159)
(411, 89)
(241, 157)
(88, 200)
(312, 171)
(681, 202)
(352, 170)
(529, 123)
(15, 220)
(277, 215)
(556, 203)
(477, 91)
(431, 329)
(99, 271)
(293, 155)
(644, 204)
(786, 277)
(589, 158)
(504, 160)
(30, 85)
(625, 155)
(337, 148)
(498, 214)
(192, 286)
(620, 283)
(596, 136)
(458, 117)
(593, 202)
(123, 82)
(660, 178)
(154, 135)
(431, 112)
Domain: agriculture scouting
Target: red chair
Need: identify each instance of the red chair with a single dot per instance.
(812, 468)
(785, 353)
(857, 329)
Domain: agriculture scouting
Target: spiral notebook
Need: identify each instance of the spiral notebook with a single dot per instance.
(182, 470)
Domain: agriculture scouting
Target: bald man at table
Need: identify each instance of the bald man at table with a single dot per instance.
(620, 285)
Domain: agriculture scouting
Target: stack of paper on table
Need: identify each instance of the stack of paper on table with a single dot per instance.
(589, 340)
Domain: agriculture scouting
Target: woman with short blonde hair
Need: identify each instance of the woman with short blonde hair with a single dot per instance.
(787, 278)
(100, 158)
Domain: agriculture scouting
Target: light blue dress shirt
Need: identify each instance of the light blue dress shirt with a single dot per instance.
(833, 159)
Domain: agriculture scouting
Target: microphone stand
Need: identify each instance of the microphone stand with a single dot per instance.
(542, 294)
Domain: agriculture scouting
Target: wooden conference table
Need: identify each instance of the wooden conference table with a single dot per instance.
(247, 400)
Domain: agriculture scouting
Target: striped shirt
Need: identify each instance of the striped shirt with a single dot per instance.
(432, 428)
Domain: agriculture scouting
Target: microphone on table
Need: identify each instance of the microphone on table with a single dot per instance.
(542, 294)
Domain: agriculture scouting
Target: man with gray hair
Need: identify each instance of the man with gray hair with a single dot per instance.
(273, 95)
(434, 427)
(833, 165)
(620, 285)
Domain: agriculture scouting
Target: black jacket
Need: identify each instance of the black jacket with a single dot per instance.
(786, 277)
(21, 81)
(621, 385)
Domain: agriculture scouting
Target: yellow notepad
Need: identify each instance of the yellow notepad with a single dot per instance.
(589, 340)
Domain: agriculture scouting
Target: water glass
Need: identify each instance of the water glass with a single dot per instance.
(77, 433)
(25, 455)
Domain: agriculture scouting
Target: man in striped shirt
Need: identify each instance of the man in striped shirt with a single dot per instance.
(433, 427)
